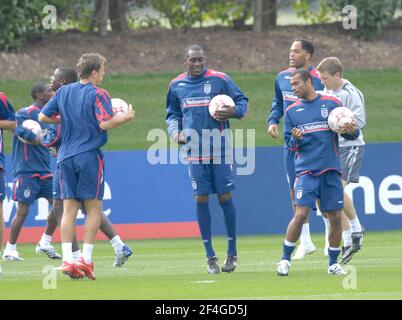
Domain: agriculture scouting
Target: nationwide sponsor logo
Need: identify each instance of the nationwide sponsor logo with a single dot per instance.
(300, 110)
(181, 84)
(196, 102)
(289, 96)
(315, 126)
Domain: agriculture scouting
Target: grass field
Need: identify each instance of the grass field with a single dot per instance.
(175, 269)
(147, 94)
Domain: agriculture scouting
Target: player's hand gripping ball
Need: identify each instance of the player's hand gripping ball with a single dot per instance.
(219, 102)
(119, 105)
(339, 117)
(32, 125)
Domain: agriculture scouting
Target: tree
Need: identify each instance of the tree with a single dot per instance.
(265, 15)
(117, 13)
(102, 16)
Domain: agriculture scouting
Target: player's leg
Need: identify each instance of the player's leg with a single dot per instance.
(331, 202)
(121, 250)
(69, 182)
(223, 180)
(90, 188)
(334, 239)
(346, 232)
(293, 233)
(57, 209)
(202, 184)
(351, 160)
(45, 243)
(2, 224)
(91, 227)
(67, 230)
(2, 229)
(10, 251)
(306, 246)
(306, 188)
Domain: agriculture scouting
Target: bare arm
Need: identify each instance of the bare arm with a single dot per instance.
(7, 124)
(46, 119)
(118, 119)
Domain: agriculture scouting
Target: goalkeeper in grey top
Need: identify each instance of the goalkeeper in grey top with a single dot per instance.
(351, 151)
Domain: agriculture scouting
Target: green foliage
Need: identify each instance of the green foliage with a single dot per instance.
(181, 14)
(372, 15)
(184, 14)
(323, 15)
(20, 20)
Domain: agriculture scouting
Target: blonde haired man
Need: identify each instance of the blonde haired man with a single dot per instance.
(351, 151)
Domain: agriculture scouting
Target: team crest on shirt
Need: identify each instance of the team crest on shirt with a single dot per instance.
(194, 184)
(299, 194)
(324, 111)
(207, 88)
(27, 192)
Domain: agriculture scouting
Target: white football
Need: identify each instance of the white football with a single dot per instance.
(32, 125)
(219, 101)
(339, 117)
(119, 105)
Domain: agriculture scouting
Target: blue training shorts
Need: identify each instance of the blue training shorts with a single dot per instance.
(27, 189)
(211, 178)
(82, 176)
(289, 162)
(327, 187)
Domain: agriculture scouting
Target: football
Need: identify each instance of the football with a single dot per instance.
(119, 105)
(339, 117)
(218, 102)
(32, 125)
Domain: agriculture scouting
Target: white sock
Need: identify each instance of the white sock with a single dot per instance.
(356, 226)
(45, 241)
(67, 250)
(289, 244)
(76, 254)
(305, 235)
(87, 252)
(347, 237)
(10, 247)
(117, 244)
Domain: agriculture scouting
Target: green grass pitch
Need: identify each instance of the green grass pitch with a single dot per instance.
(175, 269)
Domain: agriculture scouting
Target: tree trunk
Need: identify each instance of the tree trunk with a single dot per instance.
(103, 16)
(265, 15)
(118, 19)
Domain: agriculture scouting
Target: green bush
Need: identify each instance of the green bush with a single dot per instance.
(372, 15)
(20, 20)
(303, 10)
(184, 14)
